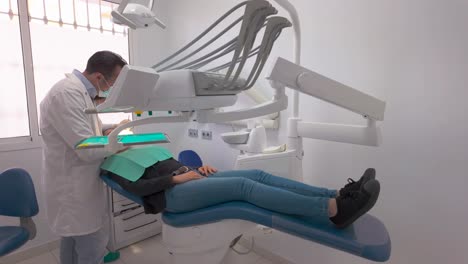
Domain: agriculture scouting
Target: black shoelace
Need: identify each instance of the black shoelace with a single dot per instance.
(351, 181)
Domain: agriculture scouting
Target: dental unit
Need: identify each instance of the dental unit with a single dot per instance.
(196, 85)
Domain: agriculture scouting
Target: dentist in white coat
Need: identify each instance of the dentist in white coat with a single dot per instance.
(75, 196)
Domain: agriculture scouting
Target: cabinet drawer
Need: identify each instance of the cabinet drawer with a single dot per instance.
(134, 223)
(124, 205)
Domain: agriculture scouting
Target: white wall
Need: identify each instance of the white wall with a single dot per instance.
(413, 55)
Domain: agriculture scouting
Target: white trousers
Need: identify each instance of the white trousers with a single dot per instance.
(86, 249)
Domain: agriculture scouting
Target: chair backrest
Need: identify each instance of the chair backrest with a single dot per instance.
(17, 194)
(190, 158)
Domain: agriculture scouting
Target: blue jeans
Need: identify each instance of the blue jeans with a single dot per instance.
(253, 186)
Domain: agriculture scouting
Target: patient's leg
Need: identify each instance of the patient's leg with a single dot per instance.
(202, 193)
(210, 191)
(280, 182)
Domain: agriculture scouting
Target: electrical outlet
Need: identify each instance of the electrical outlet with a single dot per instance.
(193, 132)
(206, 135)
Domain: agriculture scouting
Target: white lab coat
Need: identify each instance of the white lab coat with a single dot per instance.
(75, 195)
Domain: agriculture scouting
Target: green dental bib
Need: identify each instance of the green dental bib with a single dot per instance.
(131, 164)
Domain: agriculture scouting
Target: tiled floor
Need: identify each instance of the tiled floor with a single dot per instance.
(152, 251)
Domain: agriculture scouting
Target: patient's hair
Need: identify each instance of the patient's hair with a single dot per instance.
(104, 62)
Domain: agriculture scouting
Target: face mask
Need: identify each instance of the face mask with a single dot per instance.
(102, 93)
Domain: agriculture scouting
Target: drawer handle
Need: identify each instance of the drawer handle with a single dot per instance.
(130, 217)
(128, 204)
(124, 210)
(128, 230)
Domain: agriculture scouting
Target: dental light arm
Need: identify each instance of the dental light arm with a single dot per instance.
(278, 104)
(316, 85)
(114, 145)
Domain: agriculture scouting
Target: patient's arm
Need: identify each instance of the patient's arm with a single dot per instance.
(144, 187)
(185, 177)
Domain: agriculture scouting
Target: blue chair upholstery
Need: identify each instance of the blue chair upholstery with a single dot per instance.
(190, 158)
(367, 237)
(17, 199)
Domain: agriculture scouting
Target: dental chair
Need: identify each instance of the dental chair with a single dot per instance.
(17, 199)
(205, 235)
(197, 83)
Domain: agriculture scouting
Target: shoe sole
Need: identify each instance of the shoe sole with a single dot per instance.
(372, 187)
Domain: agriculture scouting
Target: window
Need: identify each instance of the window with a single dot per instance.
(85, 28)
(62, 35)
(13, 103)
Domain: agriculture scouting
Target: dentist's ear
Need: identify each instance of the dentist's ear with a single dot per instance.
(100, 76)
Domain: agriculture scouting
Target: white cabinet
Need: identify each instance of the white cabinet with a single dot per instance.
(129, 223)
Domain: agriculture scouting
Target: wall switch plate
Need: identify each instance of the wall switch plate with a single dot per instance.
(193, 132)
(207, 135)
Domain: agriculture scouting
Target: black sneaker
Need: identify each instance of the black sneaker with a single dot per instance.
(353, 185)
(354, 204)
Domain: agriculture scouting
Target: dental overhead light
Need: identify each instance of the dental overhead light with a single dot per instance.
(135, 15)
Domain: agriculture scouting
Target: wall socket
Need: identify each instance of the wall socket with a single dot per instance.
(206, 135)
(193, 132)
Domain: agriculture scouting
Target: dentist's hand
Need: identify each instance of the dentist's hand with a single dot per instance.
(125, 121)
(109, 130)
(205, 170)
(122, 150)
(185, 177)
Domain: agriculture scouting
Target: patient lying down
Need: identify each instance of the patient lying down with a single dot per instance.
(165, 184)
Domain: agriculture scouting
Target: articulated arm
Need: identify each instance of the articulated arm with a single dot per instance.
(319, 86)
(316, 85)
(278, 104)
